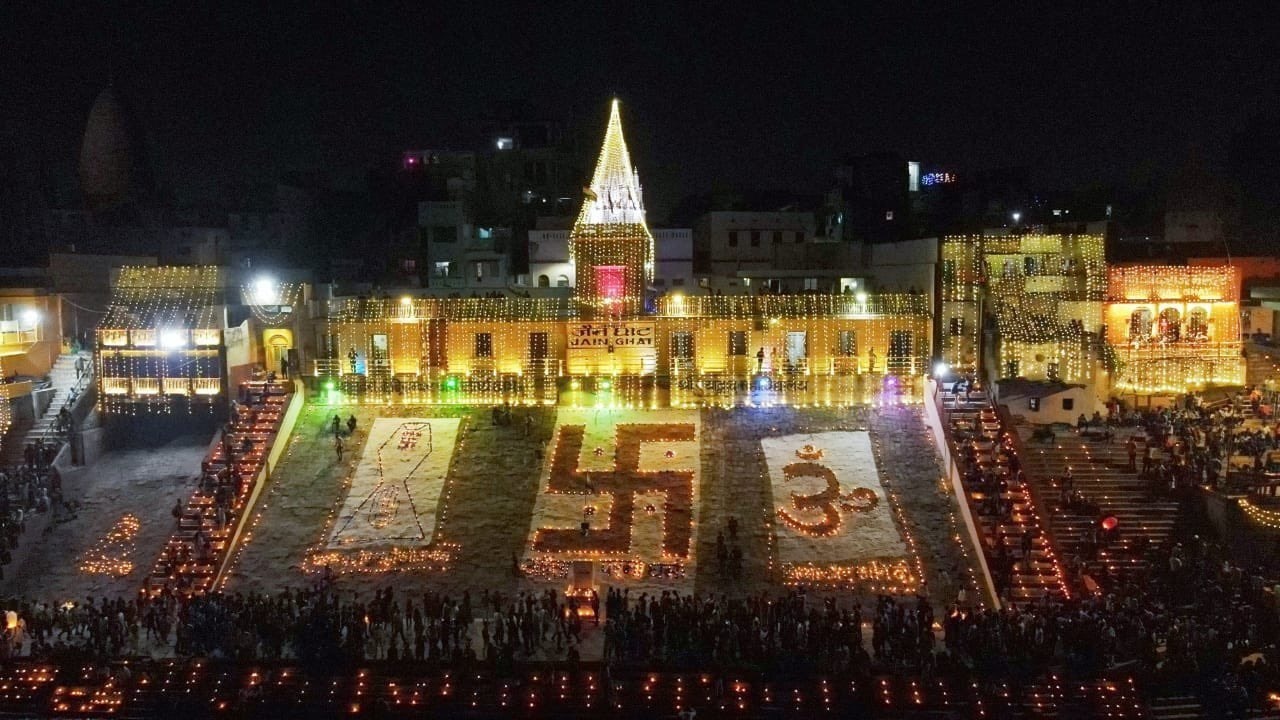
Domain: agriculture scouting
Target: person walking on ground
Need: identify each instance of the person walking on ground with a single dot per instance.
(337, 446)
(351, 425)
(337, 426)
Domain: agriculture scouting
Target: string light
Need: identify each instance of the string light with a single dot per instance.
(1174, 328)
(1262, 516)
(824, 350)
(160, 339)
(271, 302)
(1046, 292)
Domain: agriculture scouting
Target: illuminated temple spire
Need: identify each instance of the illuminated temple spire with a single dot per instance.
(614, 196)
(610, 246)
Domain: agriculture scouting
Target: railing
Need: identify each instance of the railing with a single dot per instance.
(326, 367)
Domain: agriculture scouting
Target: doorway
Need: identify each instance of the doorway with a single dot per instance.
(797, 350)
(277, 344)
(538, 351)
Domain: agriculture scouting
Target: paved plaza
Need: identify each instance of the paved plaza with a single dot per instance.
(139, 482)
(496, 482)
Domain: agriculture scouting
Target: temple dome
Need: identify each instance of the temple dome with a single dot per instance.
(113, 168)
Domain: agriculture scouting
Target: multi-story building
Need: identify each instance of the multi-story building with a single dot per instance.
(606, 343)
(457, 253)
(1045, 293)
(1171, 328)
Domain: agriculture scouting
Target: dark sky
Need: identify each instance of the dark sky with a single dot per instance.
(711, 93)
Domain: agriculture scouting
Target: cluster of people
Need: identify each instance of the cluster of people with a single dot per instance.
(729, 554)
(35, 486)
(1197, 620)
(1193, 445)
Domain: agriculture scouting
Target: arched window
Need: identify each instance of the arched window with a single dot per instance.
(562, 281)
(1171, 324)
(544, 281)
(1140, 324)
(1198, 324)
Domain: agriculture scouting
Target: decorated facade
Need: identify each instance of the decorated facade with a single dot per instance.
(613, 343)
(1045, 293)
(1174, 328)
(161, 341)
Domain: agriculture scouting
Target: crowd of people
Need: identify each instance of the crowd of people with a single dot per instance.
(1197, 619)
(34, 486)
(1192, 444)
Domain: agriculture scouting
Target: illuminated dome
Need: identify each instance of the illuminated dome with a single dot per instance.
(113, 170)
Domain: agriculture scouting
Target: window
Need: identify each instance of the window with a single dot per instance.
(659, 282)
(544, 281)
(811, 283)
(737, 342)
(777, 236)
(682, 344)
(888, 215)
(1068, 403)
(755, 238)
(562, 281)
(483, 345)
(957, 326)
(1034, 404)
(677, 282)
(848, 340)
(799, 236)
(408, 265)
(444, 233)
(442, 269)
(733, 238)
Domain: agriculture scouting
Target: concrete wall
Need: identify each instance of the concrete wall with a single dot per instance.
(1051, 410)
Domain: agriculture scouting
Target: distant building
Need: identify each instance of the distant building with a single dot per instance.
(550, 265)
(456, 254)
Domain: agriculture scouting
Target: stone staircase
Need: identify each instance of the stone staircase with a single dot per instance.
(1263, 362)
(202, 540)
(1176, 707)
(62, 377)
(973, 421)
(1100, 471)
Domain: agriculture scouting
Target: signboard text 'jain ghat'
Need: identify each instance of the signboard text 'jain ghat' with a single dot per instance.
(602, 336)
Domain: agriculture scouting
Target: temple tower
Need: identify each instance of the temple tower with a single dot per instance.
(610, 245)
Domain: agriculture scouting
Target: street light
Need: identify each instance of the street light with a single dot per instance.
(29, 318)
(265, 291)
(1017, 217)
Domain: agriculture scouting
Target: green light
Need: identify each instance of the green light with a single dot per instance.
(605, 384)
(329, 386)
(451, 383)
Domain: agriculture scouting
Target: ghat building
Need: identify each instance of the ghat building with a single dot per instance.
(614, 341)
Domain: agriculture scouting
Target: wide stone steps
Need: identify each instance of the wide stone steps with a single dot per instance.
(974, 420)
(1180, 707)
(1100, 472)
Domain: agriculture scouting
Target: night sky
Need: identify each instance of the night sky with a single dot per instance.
(712, 94)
